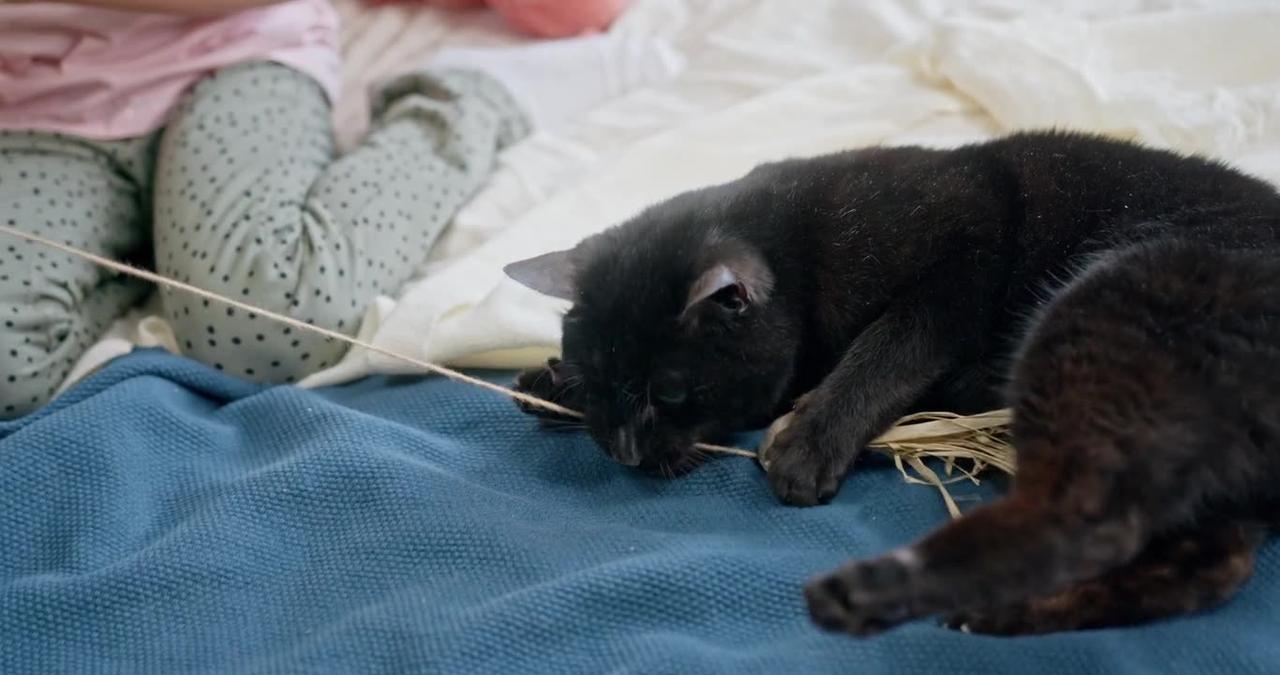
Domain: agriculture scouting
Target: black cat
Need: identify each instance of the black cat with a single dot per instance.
(1124, 301)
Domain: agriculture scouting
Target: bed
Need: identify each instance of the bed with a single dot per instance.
(402, 524)
(163, 517)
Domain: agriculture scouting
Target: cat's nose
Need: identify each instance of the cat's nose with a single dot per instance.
(625, 449)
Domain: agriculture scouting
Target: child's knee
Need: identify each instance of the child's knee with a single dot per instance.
(251, 346)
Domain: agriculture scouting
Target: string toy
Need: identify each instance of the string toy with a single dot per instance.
(978, 440)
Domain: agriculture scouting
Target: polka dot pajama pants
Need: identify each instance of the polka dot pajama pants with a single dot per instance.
(241, 194)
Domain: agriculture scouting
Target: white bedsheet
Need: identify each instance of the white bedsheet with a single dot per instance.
(769, 79)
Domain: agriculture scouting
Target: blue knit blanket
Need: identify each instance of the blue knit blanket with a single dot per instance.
(166, 518)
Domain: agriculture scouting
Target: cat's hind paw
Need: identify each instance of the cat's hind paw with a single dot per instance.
(862, 598)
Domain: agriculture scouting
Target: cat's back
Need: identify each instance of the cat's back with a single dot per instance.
(1111, 176)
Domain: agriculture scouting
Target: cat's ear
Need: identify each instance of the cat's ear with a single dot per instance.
(550, 274)
(734, 281)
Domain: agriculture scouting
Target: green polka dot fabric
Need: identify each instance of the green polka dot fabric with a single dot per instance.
(242, 194)
(90, 195)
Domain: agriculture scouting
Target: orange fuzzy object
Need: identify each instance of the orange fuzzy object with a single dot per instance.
(559, 18)
(540, 18)
(445, 4)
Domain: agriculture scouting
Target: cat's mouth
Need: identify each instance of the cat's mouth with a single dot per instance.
(674, 459)
(661, 452)
(673, 464)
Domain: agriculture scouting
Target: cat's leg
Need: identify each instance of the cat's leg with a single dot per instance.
(996, 555)
(1136, 405)
(553, 382)
(967, 389)
(1176, 574)
(888, 367)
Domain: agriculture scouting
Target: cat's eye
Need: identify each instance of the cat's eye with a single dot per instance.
(668, 389)
(672, 397)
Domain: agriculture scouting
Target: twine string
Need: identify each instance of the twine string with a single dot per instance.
(443, 371)
(942, 436)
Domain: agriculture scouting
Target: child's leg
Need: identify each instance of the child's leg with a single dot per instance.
(89, 194)
(251, 202)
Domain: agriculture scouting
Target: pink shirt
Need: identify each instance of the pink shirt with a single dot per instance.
(109, 74)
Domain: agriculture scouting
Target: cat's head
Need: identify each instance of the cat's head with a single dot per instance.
(677, 333)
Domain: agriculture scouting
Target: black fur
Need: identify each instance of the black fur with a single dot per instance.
(1129, 298)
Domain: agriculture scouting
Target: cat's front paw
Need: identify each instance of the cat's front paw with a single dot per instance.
(805, 468)
(548, 383)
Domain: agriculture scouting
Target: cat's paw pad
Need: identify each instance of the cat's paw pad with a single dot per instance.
(863, 598)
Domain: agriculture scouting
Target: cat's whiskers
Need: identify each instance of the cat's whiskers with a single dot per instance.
(698, 454)
(564, 424)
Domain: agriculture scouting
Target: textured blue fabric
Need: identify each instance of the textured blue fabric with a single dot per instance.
(165, 518)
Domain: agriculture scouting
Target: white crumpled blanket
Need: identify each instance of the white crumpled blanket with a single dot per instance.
(769, 79)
